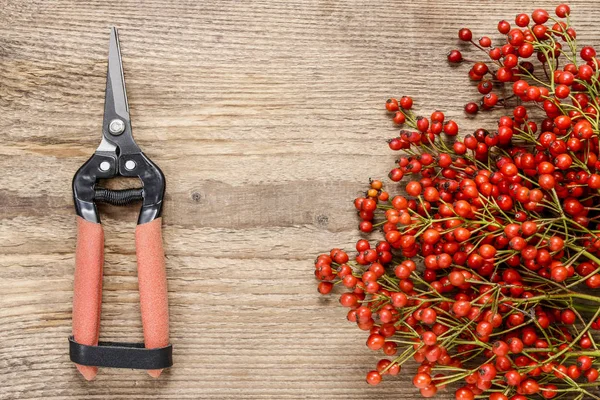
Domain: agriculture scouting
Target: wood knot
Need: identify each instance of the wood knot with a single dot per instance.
(196, 196)
(322, 220)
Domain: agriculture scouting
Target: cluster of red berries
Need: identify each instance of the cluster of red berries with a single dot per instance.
(509, 63)
(486, 268)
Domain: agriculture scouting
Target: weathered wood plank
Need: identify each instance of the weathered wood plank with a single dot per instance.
(267, 120)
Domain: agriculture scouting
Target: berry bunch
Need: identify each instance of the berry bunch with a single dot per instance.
(487, 267)
(508, 64)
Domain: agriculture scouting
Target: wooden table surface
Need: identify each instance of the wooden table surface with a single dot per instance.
(267, 119)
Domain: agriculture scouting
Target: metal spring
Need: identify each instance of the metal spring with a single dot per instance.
(118, 197)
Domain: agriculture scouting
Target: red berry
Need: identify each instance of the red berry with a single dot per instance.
(348, 300)
(540, 16)
(399, 118)
(559, 274)
(406, 102)
(516, 37)
(421, 380)
(325, 287)
(422, 124)
(515, 345)
(562, 91)
(464, 394)
(490, 100)
(487, 372)
(485, 41)
(465, 35)
(522, 20)
(373, 378)
(587, 53)
(562, 10)
(504, 74)
(375, 342)
(454, 56)
(529, 386)
(584, 363)
(549, 391)
(513, 377)
(574, 372)
(391, 105)
(365, 226)
(471, 108)
(429, 390)
(503, 27)
(414, 188)
(461, 308)
(568, 317)
(451, 128)
(591, 375)
(547, 181)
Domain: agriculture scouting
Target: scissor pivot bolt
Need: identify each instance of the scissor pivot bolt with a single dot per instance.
(104, 166)
(129, 165)
(116, 127)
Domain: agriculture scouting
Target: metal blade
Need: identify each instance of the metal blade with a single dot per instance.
(116, 127)
(115, 82)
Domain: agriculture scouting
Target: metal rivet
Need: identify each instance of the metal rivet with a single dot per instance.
(129, 165)
(116, 127)
(104, 166)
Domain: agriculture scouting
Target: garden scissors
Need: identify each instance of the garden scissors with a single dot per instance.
(119, 155)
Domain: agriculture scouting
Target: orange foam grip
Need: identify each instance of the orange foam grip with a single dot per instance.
(152, 279)
(87, 293)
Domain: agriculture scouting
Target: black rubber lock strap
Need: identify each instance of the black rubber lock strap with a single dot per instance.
(120, 355)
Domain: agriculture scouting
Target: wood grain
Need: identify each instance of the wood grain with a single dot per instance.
(267, 119)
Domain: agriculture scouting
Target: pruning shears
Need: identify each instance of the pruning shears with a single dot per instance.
(119, 155)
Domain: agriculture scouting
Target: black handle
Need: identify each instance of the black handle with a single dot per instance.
(121, 355)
